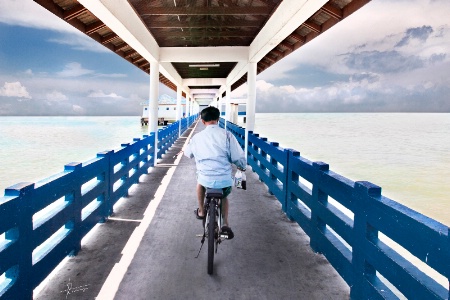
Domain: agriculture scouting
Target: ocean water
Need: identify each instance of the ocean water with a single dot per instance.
(33, 148)
(408, 154)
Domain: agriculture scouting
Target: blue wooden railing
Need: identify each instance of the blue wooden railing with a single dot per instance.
(381, 248)
(43, 222)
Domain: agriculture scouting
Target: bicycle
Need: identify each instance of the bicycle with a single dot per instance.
(212, 224)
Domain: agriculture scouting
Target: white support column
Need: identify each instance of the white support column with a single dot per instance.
(234, 113)
(179, 112)
(188, 104)
(220, 103)
(228, 103)
(251, 102)
(153, 104)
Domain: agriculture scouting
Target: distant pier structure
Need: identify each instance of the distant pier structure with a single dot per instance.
(167, 110)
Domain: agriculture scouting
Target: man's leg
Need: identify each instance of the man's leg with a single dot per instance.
(226, 228)
(225, 211)
(200, 197)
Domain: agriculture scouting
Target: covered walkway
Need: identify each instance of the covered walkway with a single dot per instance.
(147, 249)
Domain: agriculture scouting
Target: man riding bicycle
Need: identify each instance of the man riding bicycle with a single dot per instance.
(214, 150)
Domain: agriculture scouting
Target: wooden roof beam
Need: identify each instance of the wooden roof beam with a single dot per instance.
(205, 11)
(298, 37)
(270, 59)
(142, 64)
(312, 26)
(287, 45)
(277, 53)
(130, 53)
(120, 47)
(93, 27)
(353, 6)
(74, 12)
(333, 11)
(136, 60)
(108, 38)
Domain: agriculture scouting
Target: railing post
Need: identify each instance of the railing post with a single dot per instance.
(107, 206)
(255, 148)
(75, 198)
(136, 168)
(247, 145)
(151, 143)
(290, 178)
(125, 162)
(362, 194)
(318, 198)
(24, 191)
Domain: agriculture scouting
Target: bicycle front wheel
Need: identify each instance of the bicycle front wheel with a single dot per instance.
(211, 235)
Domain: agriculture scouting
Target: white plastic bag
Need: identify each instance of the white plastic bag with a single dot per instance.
(240, 180)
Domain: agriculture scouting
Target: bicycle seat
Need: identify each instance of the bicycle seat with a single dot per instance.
(214, 193)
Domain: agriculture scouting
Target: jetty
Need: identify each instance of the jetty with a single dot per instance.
(121, 225)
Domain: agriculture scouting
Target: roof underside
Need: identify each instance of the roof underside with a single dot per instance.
(203, 23)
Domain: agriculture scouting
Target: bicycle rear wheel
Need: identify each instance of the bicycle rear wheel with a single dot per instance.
(211, 235)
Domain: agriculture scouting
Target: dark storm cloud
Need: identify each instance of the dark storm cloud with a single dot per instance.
(419, 33)
(383, 61)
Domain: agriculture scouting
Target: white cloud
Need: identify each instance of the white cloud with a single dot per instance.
(78, 109)
(101, 94)
(81, 43)
(374, 27)
(112, 75)
(14, 89)
(56, 96)
(263, 85)
(74, 69)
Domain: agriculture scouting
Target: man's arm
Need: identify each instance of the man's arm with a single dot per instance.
(188, 151)
(236, 153)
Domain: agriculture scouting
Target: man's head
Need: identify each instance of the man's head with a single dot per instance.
(210, 114)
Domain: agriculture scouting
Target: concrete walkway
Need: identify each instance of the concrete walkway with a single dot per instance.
(269, 258)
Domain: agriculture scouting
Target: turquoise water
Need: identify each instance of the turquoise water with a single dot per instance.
(33, 148)
(408, 155)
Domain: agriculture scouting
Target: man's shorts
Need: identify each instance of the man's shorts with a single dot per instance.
(226, 191)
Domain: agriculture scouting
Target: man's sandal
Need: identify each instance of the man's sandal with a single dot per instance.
(228, 232)
(197, 216)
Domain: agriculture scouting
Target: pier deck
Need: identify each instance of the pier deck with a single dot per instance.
(147, 251)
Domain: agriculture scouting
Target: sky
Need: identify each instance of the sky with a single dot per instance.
(389, 56)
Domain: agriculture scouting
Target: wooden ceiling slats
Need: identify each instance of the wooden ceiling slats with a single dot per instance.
(206, 11)
(203, 24)
(205, 34)
(109, 38)
(121, 47)
(333, 11)
(312, 26)
(130, 53)
(74, 12)
(93, 27)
